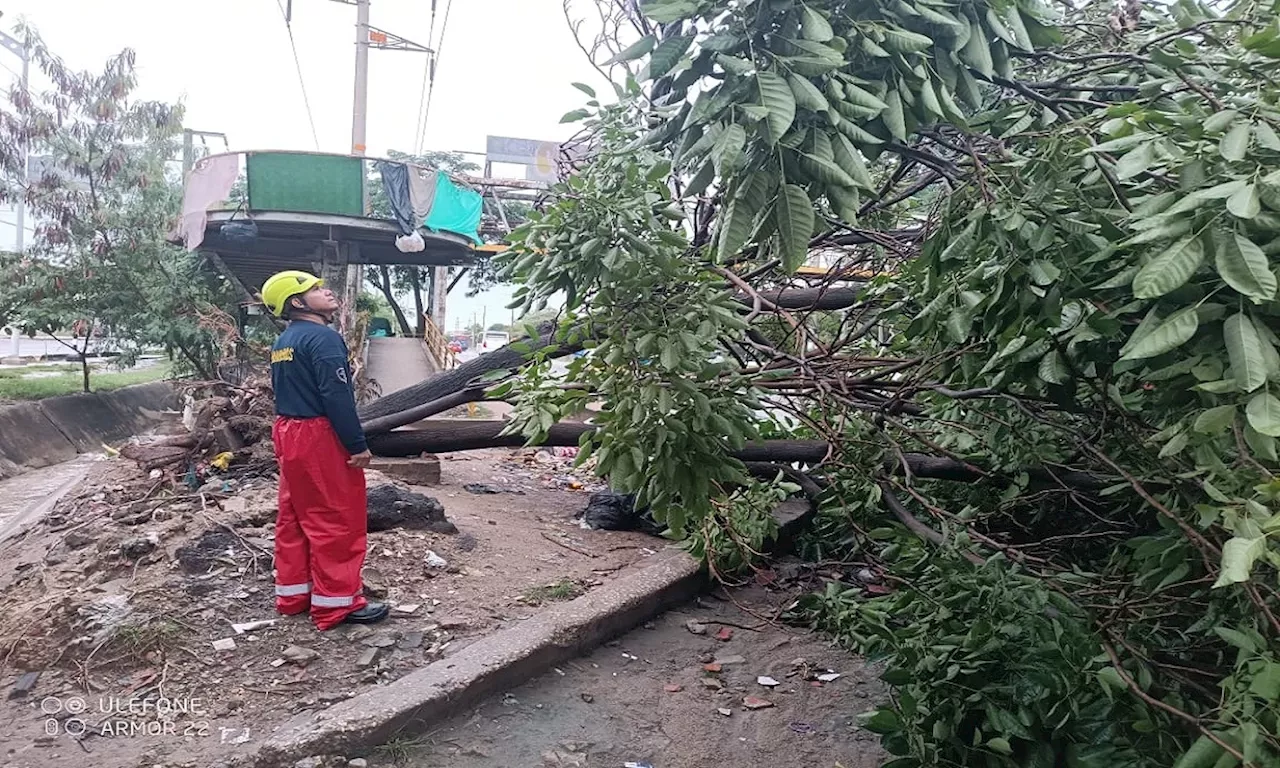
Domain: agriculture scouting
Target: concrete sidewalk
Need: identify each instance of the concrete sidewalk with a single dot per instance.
(396, 363)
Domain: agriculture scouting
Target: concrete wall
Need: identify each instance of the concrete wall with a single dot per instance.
(55, 429)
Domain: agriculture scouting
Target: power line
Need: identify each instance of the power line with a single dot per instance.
(426, 70)
(288, 25)
(435, 60)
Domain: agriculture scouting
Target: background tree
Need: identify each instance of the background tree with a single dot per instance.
(99, 265)
(1043, 358)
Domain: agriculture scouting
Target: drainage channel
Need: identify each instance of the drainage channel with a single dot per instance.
(28, 497)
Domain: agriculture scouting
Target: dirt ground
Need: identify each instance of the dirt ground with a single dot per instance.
(649, 700)
(117, 598)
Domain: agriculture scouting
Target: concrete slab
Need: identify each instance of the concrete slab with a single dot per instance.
(87, 420)
(498, 662)
(420, 471)
(139, 405)
(28, 439)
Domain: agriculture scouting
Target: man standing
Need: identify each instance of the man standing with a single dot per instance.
(321, 528)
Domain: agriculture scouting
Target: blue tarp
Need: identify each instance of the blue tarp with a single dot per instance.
(455, 210)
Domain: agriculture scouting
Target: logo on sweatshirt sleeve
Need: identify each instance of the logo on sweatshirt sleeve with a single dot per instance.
(342, 374)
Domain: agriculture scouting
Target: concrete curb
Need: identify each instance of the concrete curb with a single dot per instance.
(495, 663)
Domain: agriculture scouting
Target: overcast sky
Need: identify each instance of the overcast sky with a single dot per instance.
(505, 68)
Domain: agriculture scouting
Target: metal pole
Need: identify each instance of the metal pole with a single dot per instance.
(188, 152)
(359, 112)
(20, 243)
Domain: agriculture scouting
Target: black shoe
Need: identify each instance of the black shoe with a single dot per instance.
(371, 613)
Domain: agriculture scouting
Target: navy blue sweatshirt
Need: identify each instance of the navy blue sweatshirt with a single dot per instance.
(311, 376)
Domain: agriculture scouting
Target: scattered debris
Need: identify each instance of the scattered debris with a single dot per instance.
(436, 561)
(587, 697)
(24, 685)
(407, 608)
(482, 489)
(634, 764)
(367, 658)
(139, 547)
(712, 683)
(725, 711)
(300, 655)
(829, 677)
(225, 644)
(252, 625)
(673, 688)
(767, 681)
(410, 641)
(380, 640)
(724, 635)
(393, 507)
(755, 702)
(695, 627)
(713, 666)
(800, 727)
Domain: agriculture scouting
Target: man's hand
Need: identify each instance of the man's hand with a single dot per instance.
(360, 460)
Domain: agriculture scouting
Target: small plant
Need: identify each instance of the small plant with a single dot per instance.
(564, 589)
(149, 636)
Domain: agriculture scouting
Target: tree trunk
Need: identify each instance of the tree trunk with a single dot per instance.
(463, 377)
(385, 286)
(84, 369)
(415, 277)
(387, 423)
(446, 436)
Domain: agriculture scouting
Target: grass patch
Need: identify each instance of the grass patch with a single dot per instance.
(564, 589)
(157, 635)
(69, 380)
(399, 750)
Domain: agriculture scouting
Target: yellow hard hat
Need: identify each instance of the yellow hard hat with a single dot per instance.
(281, 286)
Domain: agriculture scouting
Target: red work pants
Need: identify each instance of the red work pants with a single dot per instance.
(321, 528)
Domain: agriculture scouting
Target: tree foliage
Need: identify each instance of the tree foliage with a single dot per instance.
(1061, 223)
(99, 264)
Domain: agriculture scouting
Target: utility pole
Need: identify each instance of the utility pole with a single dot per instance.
(367, 37)
(21, 48)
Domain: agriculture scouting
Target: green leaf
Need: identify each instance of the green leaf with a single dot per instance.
(1214, 420)
(591, 92)
(635, 50)
(747, 203)
(1175, 445)
(903, 41)
(1235, 142)
(959, 323)
(1263, 445)
(1266, 135)
(977, 53)
(863, 98)
(814, 26)
(1263, 412)
(1165, 337)
(1244, 267)
(667, 55)
(1203, 754)
(667, 11)
(893, 116)
(1238, 557)
(1053, 369)
(776, 96)
(1244, 349)
(1169, 270)
(728, 148)
(1245, 203)
(827, 171)
(1000, 745)
(794, 215)
(1135, 161)
(807, 94)
(850, 160)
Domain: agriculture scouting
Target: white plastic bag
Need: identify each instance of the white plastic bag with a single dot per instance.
(410, 243)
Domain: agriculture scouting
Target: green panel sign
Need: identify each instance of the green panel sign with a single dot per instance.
(306, 183)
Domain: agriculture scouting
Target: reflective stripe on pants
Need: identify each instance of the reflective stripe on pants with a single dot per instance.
(321, 530)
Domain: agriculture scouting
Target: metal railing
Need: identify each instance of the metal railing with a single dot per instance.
(437, 344)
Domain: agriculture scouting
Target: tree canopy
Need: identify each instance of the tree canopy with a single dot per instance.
(1043, 353)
